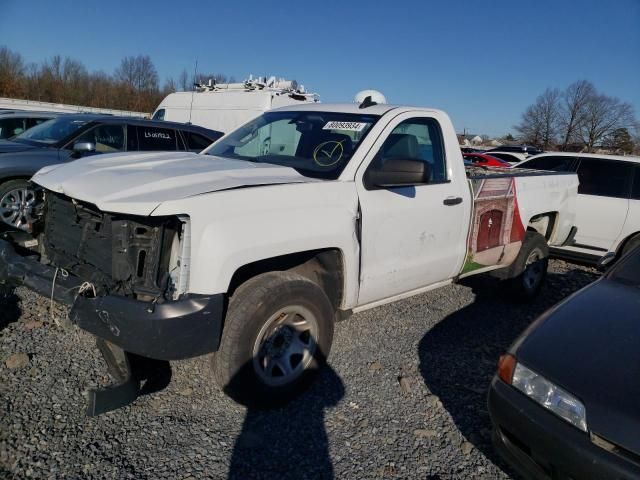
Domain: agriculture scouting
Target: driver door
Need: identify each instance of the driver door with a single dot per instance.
(412, 236)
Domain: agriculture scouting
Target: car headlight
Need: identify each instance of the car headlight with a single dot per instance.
(550, 396)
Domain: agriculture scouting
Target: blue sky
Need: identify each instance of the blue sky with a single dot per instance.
(482, 62)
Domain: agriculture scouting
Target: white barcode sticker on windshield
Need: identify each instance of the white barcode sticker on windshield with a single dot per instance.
(348, 126)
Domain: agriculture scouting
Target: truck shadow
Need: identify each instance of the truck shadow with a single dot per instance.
(9, 306)
(458, 357)
(289, 442)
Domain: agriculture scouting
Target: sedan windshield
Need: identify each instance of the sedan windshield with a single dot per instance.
(627, 271)
(51, 132)
(316, 144)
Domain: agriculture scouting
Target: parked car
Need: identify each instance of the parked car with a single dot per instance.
(14, 122)
(608, 206)
(471, 150)
(511, 157)
(525, 149)
(303, 215)
(564, 403)
(69, 137)
(481, 159)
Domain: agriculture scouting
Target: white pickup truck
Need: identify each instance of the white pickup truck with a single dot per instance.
(254, 248)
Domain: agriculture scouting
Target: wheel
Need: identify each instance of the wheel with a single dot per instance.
(18, 204)
(277, 334)
(529, 269)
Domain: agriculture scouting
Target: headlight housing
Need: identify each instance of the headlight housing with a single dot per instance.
(550, 396)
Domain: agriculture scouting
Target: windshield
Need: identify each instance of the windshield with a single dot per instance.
(627, 271)
(316, 144)
(51, 131)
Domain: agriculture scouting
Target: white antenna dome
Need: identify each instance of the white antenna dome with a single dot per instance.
(375, 95)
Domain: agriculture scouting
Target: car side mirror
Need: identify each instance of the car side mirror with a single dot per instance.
(84, 147)
(397, 172)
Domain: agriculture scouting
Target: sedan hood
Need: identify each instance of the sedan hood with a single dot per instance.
(590, 346)
(137, 183)
(7, 146)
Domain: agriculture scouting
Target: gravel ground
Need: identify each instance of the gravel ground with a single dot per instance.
(404, 397)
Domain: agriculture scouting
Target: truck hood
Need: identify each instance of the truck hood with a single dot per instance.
(138, 183)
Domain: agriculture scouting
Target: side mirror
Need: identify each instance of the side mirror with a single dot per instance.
(397, 172)
(84, 147)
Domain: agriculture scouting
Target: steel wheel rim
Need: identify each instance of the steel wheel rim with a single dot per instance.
(285, 345)
(533, 269)
(17, 207)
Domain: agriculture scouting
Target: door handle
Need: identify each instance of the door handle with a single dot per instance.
(452, 201)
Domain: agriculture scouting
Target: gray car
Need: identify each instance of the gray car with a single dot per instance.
(69, 137)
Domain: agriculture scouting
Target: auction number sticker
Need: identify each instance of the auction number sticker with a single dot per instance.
(347, 126)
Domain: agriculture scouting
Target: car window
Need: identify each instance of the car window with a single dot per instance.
(604, 178)
(635, 193)
(416, 139)
(11, 126)
(159, 115)
(553, 163)
(316, 144)
(196, 142)
(158, 139)
(107, 138)
(132, 138)
(32, 122)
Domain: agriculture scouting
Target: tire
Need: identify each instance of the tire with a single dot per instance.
(529, 269)
(18, 194)
(275, 322)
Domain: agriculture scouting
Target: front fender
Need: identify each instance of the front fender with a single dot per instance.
(231, 229)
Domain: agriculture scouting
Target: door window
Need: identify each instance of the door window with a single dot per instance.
(196, 142)
(604, 178)
(107, 138)
(32, 122)
(11, 126)
(416, 139)
(152, 138)
(635, 193)
(553, 163)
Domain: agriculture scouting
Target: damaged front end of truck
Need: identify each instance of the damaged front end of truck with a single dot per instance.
(125, 279)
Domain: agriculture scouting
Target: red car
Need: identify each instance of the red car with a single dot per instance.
(484, 160)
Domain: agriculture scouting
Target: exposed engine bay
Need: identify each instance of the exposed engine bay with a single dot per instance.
(132, 256)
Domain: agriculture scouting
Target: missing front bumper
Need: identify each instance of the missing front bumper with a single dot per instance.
(165, 331)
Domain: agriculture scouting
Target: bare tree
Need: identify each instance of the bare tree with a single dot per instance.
(133, 86)
(183, 82)
(139, 73)
(603, 115)
(539, 124)
(574, 101)
(12, 71)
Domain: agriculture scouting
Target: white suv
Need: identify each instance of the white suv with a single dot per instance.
(608, 206)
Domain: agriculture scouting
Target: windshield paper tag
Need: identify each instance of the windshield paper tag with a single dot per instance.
(348, 126)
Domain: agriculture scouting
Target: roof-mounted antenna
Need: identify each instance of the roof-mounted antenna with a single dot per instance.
(195, 72)
(367, 102)
(369, 98)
